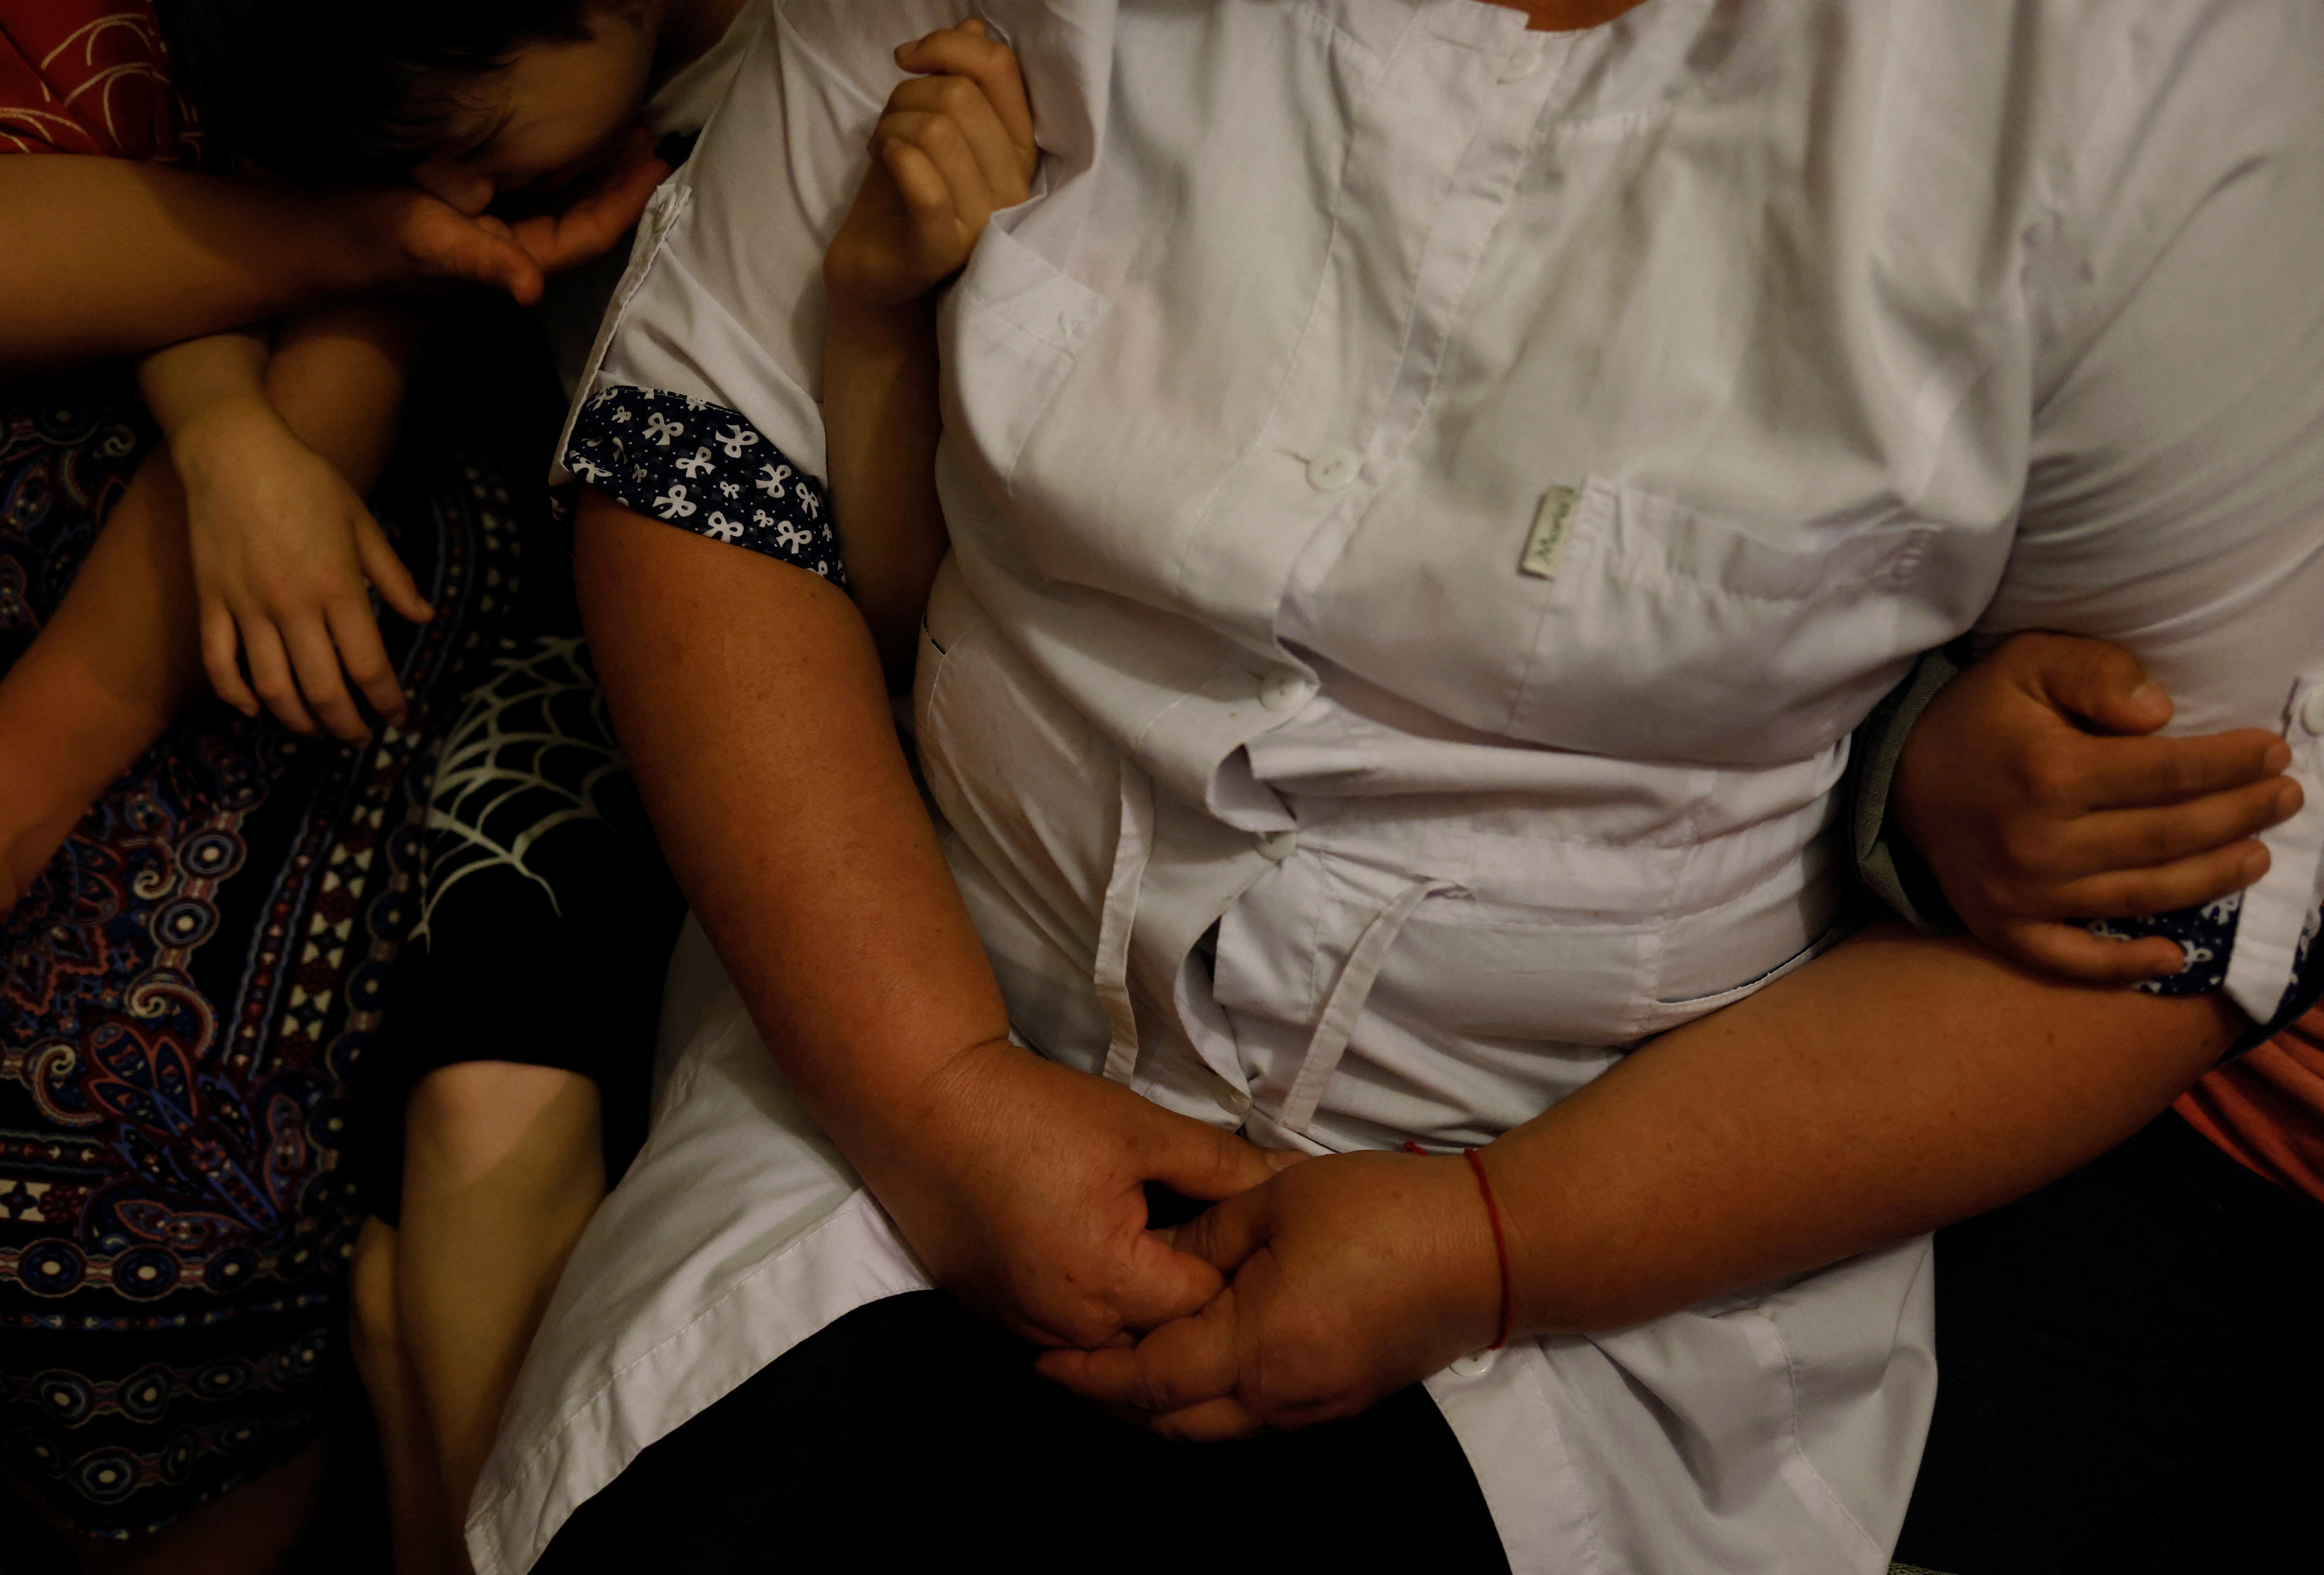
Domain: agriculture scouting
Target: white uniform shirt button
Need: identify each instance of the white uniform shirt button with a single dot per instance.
(2311, 711)
(1475, 1365)
(1282, 690)
(1278, 846)
(1333, 468)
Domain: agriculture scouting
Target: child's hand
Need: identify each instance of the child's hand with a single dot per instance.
(594, 214)
(434, 240)
(2032, 808)
(955, 146)
(414, 238)
(282, 549)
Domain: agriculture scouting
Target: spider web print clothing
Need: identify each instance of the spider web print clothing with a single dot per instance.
(183, 994)
(545, 913)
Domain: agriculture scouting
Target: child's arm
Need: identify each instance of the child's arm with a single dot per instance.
(2033, 792)
(955, 145)
(123, 651)
(281, 545)
(108, 257)
(115, 257)
(103, 678)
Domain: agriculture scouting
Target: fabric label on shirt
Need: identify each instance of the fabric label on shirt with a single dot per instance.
(1551, 521)
(705, 468)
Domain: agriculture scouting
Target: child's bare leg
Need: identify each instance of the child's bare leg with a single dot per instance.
(102, 679)
(501, 1169)
(427, 1538)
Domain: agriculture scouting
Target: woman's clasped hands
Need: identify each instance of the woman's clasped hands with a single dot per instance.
(1348, 1277)
(1021, 1185)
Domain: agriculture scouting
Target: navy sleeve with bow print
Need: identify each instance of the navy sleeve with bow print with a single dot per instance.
(699, 465)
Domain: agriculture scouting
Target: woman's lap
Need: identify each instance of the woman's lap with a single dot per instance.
(908, 1431)
(2130, 1375)
(2130, 1382)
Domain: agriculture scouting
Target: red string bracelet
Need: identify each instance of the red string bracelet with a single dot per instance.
(1500, 1241)
(1500, 1249)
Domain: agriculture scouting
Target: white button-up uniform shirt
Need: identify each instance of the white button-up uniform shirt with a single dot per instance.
(1430, 501)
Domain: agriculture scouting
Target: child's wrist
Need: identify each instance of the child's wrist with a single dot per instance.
(220, 440)
(871, 322)
(881, 343)
(366, 248)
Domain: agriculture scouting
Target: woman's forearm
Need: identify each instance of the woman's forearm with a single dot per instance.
(1898, 1084)
(749, 701)
(109, 257)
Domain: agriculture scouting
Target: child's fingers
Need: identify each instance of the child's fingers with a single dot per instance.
(1004, 169)
(222, 657)
(2124, 774)
(490, 256)
(387, 573)
(939, 235)
(364, 657)
(591, 222)
(316, 663)
(940, 140)
(270, 674)
(2111, 839)
(2071, 952)
(2091, 678)
(2162, 888)
(992, 66)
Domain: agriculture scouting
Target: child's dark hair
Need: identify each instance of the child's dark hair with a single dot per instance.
(342, 90)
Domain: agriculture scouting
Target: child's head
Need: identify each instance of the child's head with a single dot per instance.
(470, 96)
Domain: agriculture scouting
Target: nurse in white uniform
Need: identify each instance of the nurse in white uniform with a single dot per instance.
(1433, 485)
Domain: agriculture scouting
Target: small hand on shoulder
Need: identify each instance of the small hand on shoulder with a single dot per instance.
(953, 147)
(2037, 788)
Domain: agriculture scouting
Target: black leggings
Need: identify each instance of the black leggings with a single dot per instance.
(2131, 1375)
(909, 1436)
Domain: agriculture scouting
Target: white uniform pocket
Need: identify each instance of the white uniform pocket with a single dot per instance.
(1667, 633)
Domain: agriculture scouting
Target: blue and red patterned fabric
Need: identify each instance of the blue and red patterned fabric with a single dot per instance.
(184, 993)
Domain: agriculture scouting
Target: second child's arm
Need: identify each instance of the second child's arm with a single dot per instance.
(955, 146)
(123, 651)
(282, 543)
(2039, 793)
(109, 257)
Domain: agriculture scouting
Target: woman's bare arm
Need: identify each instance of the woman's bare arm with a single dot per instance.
(1900, 1083)
(749, 700)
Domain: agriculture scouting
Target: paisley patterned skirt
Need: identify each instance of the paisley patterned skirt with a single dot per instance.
(184, 996)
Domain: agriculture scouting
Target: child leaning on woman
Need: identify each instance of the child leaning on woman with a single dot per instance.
(216, 921)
